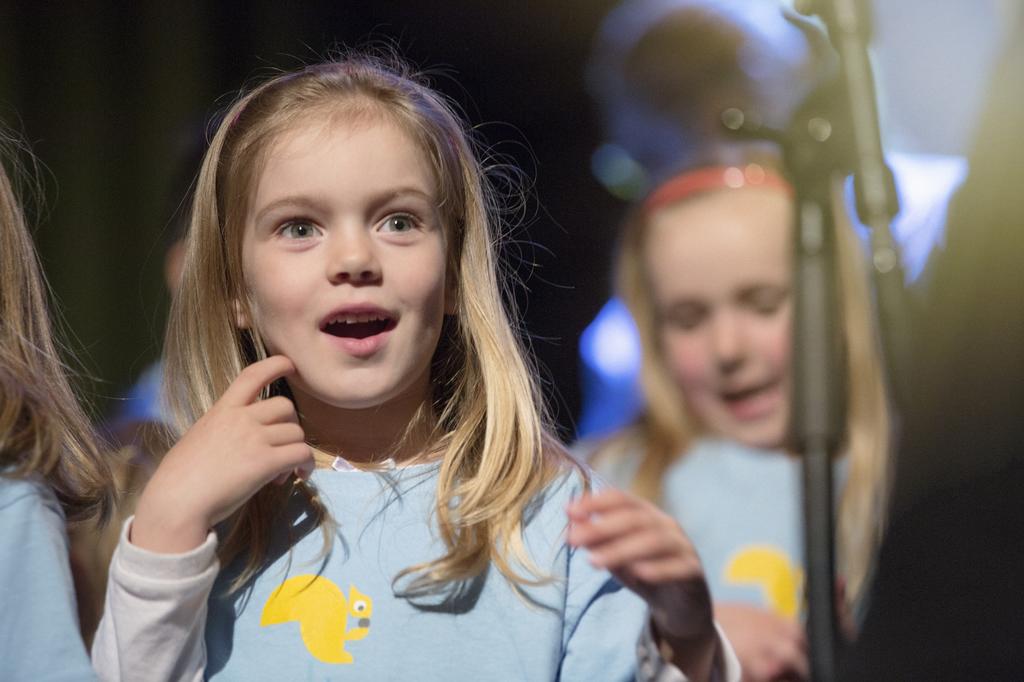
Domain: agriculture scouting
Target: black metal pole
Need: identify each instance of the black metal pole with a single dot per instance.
(850, 26)
(818, 411)
(835, 132)
(814, 153)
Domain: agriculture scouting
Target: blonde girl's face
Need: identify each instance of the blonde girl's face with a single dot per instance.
(344, 260)
(719, 270)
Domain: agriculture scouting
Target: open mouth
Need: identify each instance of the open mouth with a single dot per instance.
(358, 326)
(747, 393)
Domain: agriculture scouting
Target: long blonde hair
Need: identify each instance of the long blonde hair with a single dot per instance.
(666, 429)
(489, 423)
(44, 431)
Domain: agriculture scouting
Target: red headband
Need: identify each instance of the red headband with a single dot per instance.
(710, 178)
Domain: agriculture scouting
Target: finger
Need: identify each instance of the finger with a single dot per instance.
(274, 410)
(599, 529)
(284, 434)
(304, 471)
(793, 662)
(636, 547)
(287, 460)
(763, 668)
(796, 634)
(295, 456)
(599, 503)
(280, 461)
(802, 666)
(249, 384)
(664, 569)
(301, 473)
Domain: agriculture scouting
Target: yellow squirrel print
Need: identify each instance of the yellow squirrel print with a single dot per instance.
(772, 571)
(323, 612)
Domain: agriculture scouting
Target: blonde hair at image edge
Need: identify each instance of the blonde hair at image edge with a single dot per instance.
(487, 418)
(43, 430)
(666, 429)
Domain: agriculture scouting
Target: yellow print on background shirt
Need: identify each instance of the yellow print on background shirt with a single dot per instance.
(323, 612)
(770, 569)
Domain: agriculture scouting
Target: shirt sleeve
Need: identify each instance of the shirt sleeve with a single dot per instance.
(652, 667)
(154, 616)
(608, 634)
(39, 636)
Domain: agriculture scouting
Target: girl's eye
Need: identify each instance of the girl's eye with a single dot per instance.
(399, 223)
(767, 300)
(685, 316)
(298, 229)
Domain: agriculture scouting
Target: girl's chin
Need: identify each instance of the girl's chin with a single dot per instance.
(770, 440)
(309, 398)
(348, 403)
(358, 396)
(767, 431)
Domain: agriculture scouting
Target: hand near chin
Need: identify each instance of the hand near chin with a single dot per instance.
(237, 447)
(768, 646)
(649, 553)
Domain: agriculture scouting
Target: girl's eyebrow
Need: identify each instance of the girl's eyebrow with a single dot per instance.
(299, 201)
(397, 193)
(302, 201)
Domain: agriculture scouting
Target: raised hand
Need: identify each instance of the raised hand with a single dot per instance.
(241, 444)
(768, 646)
(649, 553)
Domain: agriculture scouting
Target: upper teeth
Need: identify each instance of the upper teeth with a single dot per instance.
(353, 318)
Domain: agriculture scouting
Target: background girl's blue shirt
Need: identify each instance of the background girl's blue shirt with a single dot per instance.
(340, 617)
(742, 508)
(39, 636)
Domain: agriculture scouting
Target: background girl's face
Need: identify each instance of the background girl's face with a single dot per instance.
(719, 270)
(344, 259)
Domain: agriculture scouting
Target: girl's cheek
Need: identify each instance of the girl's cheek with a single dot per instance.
(777, 342)
(687, 359)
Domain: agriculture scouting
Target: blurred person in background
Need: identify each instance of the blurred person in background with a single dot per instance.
(704, 269)
(52, 470)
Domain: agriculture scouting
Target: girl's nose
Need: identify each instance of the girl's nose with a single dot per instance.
(353, 258)
(728, 343)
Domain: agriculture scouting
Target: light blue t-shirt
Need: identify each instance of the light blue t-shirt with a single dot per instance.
(39, 636)
(742, 508)
(340, 618)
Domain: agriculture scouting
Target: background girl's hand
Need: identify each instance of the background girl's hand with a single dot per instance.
(847, 623)
(769, 646)
(241, 444)
(649, 553)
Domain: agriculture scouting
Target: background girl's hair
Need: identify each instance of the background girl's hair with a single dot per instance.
(666, 430)
(43, 430)
(486, 416)
(669, 121)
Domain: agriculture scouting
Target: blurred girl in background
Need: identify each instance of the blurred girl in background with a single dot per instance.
(50, 466)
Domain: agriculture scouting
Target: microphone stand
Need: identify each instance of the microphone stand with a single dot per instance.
(819, 373)
(849, 26)
(813, 151)
(834, 132)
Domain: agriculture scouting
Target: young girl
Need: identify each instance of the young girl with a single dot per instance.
(705, 270)
(340, 320)
(50, 468)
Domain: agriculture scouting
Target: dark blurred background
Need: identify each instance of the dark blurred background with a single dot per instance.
(105, 92)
